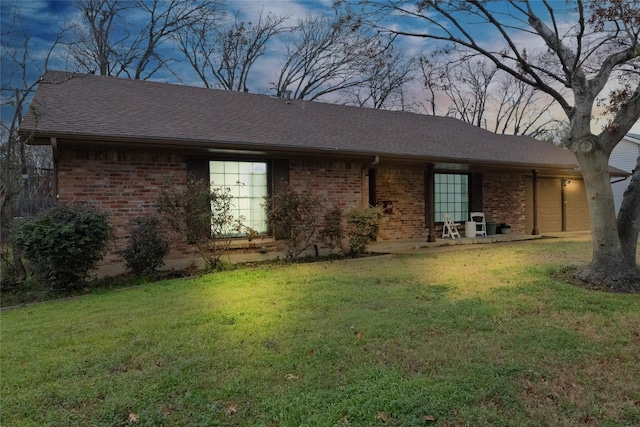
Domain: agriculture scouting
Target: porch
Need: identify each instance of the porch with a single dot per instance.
(419, 245)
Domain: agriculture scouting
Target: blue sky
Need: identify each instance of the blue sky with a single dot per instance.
(43, 19)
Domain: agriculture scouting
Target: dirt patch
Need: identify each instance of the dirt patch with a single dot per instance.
(569, 276)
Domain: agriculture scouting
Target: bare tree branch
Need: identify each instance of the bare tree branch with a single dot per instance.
(24, 170)
(476, 92)
(596, 57)
(383, 81)
(126, 37)
(326, 56)
(223, 55)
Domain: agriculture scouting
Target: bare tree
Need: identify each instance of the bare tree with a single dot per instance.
(126, 37)
(477, 92)
(521, 109)
(383, 81)
(223, 55)
(585, 57)
(468, 87)
(431, 76)
(99, 38)
(326, 56)
(21, 166)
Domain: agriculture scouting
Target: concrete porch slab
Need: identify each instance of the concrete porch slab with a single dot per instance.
(419, 245)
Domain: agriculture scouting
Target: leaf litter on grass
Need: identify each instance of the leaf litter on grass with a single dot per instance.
(452, 344)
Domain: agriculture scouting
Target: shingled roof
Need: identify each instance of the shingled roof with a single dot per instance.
(109, 109)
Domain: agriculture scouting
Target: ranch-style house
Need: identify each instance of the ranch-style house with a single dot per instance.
(118, 143)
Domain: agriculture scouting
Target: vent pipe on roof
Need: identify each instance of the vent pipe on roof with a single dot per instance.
(287, 95)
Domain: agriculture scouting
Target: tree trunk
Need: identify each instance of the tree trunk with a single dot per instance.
(629, 218)
(609, 267)
(21, 272)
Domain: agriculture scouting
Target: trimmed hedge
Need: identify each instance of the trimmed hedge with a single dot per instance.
(64, 244)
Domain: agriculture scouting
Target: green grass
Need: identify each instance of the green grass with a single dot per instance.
(478, 337)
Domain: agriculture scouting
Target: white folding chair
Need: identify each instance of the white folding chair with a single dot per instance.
(450, 228)
(481, 224)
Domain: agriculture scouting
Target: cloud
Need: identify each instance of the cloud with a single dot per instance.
(250, 9)
(44, 19)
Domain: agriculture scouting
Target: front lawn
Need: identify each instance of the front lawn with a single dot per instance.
(479, 337)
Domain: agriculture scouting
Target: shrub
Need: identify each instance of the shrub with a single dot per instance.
(299, 215)
(204, 215)
(64, 244)
(146, 249)
(362, 228)
(333, 231)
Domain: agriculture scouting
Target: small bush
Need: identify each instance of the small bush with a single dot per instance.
(333, 231)
(362, 228)
(64, 244)
(300, 214)
(188, 211)
(146, 249)
(204, 214)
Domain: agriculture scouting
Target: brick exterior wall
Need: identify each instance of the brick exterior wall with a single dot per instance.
(341, 184)
(405, 189)
(337, 182)
(504, 199)
(129, 183)
(124, 184)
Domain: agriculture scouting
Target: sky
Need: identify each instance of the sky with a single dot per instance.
(43, 19)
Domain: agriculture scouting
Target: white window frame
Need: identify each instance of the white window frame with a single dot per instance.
(248, 184)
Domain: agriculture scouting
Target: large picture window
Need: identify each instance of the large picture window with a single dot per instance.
(248, 184)
(452, 196)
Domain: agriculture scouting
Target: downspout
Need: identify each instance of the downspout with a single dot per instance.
(365, 181)
(54, 151)
(429, 202)
(535, 231)
(563, 206)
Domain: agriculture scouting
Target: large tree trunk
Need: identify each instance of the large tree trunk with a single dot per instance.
(629, 218)
(609, 268)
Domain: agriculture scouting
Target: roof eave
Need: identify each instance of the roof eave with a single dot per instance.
(44, 138)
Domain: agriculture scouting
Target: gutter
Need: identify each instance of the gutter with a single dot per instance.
(129, 141)
(212, 146)
(364, 181)
(619, 180)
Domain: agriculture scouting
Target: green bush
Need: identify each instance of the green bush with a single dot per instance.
(204, 214)
(305, 220)
(146, 249)
(362, 228)
(64, 244)
(333, 231)
(300, 214)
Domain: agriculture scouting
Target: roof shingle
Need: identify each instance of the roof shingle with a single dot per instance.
(107, 108)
